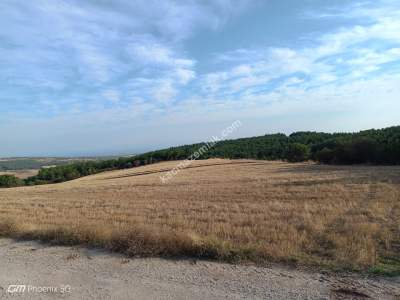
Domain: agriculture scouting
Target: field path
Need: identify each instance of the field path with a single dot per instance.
(94, 274)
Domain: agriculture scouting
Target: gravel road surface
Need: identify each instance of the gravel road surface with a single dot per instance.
(30, 270)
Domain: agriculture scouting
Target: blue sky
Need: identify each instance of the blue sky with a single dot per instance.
(124, 76)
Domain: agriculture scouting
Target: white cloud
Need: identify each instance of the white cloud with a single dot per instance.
(70, 46)
(242, 70)
(164, 92)
(370, 57)
(147, 52)
(341, 55)
(184, 76)
(112, 96)
(64, 58)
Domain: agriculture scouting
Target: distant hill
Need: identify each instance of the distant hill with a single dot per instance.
(380, 146)
(31, 163)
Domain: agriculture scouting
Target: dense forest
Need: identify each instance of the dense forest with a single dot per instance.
(366, 147)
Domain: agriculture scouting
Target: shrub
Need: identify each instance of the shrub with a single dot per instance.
(10, 181)
(297, 152)
(325, 156)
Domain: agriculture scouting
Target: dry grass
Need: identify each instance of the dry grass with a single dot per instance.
(256, 210)
(20, 173)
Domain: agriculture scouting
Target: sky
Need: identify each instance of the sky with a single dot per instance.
(101, 77)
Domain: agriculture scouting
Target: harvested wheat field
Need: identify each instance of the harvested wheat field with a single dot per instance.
(20, 173)
(260, 211)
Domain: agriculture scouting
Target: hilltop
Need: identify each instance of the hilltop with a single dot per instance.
(380, 146)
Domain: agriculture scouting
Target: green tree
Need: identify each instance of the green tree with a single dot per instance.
(10, 181)
(297, 152)
(325, 156)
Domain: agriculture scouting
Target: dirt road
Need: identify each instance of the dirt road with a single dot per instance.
(77, 273)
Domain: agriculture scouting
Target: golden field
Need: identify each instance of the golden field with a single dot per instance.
(20, 173)
(337, 216)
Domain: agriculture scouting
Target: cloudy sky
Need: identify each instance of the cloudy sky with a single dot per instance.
(126, 76)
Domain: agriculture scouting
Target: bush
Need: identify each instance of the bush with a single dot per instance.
(365, 149)
(325, 156)
(10, 181)
(297, 152)
(355, 151)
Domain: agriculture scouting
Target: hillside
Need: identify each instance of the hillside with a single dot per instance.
(365, 147)
(233, 210)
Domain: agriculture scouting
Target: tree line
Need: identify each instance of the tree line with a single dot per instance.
(380, 146)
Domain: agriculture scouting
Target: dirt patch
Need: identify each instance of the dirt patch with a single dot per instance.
(96, 274)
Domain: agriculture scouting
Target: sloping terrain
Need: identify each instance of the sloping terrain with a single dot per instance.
(260, 211)
(20, 173)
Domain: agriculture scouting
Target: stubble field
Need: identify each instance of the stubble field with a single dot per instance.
(20, 173)
(260, 211)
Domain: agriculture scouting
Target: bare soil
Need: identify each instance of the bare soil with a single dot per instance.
(96, 274)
